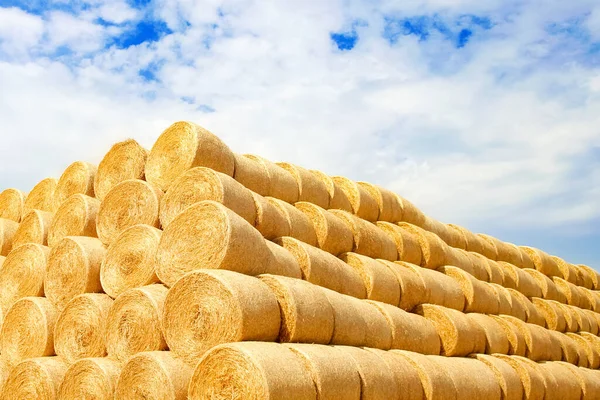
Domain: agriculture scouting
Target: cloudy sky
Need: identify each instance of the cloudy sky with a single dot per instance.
(484, 113)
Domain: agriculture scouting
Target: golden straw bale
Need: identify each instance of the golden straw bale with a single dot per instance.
(364, 205)
(129, 260)
(516, 340)
(125, 160)
(472, 378)
(460, 259)
(594, 319)
(434, 250)
(338, 200)
(549, 290)
(12, 202)
(534, 385)
(300, 226)
(378, 277)
(252, 174)
(209, 235)
(552, 391)
(479, 296)
(584, 277)
(435, 378)
(506, 376)
(587, 379)
(490, 246)
(569, 291)
(35, 378)
(28, 330)
(588, 350)
(412, 285)
(586, 300)
(73, 269)
(495, 274)
(407, 244)
(586, 322)
(567, 270)
(537, 341)
(567, 345)
(593, 274)
(41, 196)
(459, 335)
(154, 375)
(33, 228)
(552, 313)
(271, 221)
(568, 387)
(514, 255)
(532, 314)
(457, 237)
(479, 265)
(437, 227)
(324, 269)
(593, 298)
(441, 289)
(572, 319)
(473, 242)
(251, 370)
(8, 229)
(6, 367)
(407, 384)
(78, 178)
(333, 235)
(134, 322)
(505, 302)
(90, 378)
(310, 188)
(282, 262)
(283, 186)
(502, 250)
(496, 338)
(524, 282)
(593, 340)
(510, 274)
(76, 216)
(390, 205)
(542, 261)
(411, 213)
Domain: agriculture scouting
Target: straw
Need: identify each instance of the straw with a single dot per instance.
(8, 229)
(537, 341)
(568, 386)
(310, 188)
(552, 313)
(390, 206)
(364, 205)
(567, 271)
(510, 274)
(567, 345)
(411, 213)
(283, 186)
(90, 378)
(593, 274)
(474, 242)
(435, 379)
(282, 262)
(349, 327)
(77, 178)
(570, 292)
(549, 290)
(479, 296)
(12, 203)
(472, 378)
(378, 277)
(505, 303)
(587, 380)
(533, 315)
(532, 380)
(251, 173)
(489, 247)
(433, 249)
(524, 282)
(441, 289)
(271, 222)
(35, 378)
(584, 277)
(333, 235)
(571, 320)
(457, 237)
(337, 198)
(506, 376)
(496, 338)
(439, 228)
(406, 242)
(33, 228)
(300, 226)
(460, 259)
(41, 196)
(542, 261)
(407, 383)
(588, 354)
(76, 216)
(516, 340)
(495, 274)
(412, 285)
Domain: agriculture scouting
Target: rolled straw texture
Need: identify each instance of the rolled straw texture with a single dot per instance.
(90, 378)
(406, 382)
(434, 251)
(571, 318)
(593, 298)
(567, 271)
(12, 203)
(542, 261)
(456, 236)
(412, 285)
(587, 379)
(594, 319)
(209, 235)
(479, 296)
(41, 196)
(552, 313)
(505, 302)
(411, 213)
(570, 292)
(556, 346)
(593, 340)
(593, 274)
(78, 178)
(516, 340)
(33, 228)
(588, 355)
(73, 269)
(5, 368)
(182, 146)
(125, 160)
(538, 343)
(130, 203)
(584, 278)
(490, 246)
(524, 282)
(441, 289)
(568, 347)
(364, 205)
(79, 331)
(407, 244)
(251, 173)
(472, 378)
(479, 265)
(435, 379)
(511, 254)
(474, 243)
(338, 200)
(495, 274)
(271, 221)
(548, 287)
(506, 376)
(390, 205)
(282, 262)
(8, 229)
(28, 330)
(134, 322)
(251, 370)
(333, 235)
(283, 186)
(210, 307)
(568, 387)
(378, 331)
(76, 216)
(300, 226)
(532, 314)
(154, 375)
(496, 338)
(35, 378)
(310, 188)
(460, 259)
(378, 277)
(510, 274)
(532, 380)
(439, 228)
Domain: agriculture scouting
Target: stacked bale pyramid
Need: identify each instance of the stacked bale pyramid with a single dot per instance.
(192, 272)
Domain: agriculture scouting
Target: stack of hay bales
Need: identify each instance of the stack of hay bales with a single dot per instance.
(189, 271)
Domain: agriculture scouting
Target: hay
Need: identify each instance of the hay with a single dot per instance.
(412, 285)
(78, 178)
(584, 278)
(411, 213)
(33, 228)
(324, 269)
(41, 196)
(390, 205)
(531, 378)
(479, 296)
(508, 379)
(495, 274)
(209, 235)
(594, 319)
(513, 254)
(567, 346)
(337, 198)
(457, 237)
(496, 338)
(510, 274)
(568, 387)
(587, 380)
(460, 259)
(441, 289)
(491, 246)
(516, 340)
(593, 298)
(251, 173)
(570, 292)
(556, 345)
(463, 370)
(378, 333)
(271, 222)
(474, 243)
(505, 303)
(90, 378)
(378, 277)
(333, 371)
(364, 205)
(125, 160)
(134, 322)
(433, 249)
(283, 186)
(588, 347)
(571, 322)
(542, 261)
(130, 203)
(282, 262)
(8, 229)
(593, 275)
(35, 378)
(129, 260)
(73, 269)
(209, 307)
(300, 226)
(537, 341)
(310, 188)
(251, 370)
(532, 314)
(333, 235)
(154, 375)
(524, 282)
(436, 382)
(480, 266)
(406, 242)
(567, 270)
(406, 384)
(182, 146)
(76, 216)
(586, 322)
(349, 325)
(552, 313)
(12, 202)
(549, 290)
(28, 330)
(437, 227)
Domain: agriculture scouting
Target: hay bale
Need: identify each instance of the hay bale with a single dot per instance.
(134, 322)
(490, 247)
(534, 386)
(552, 313)
(571, 320)
(182, 146)
(441, 289)
(593, 275)
(587, 379)
(210, 307)
(390, 206)
(73, 269)
(271, 222)
(569, 291)
(435, 379)
(364, 205)
(125, 160)
(209, 235)
(251, 370)
(533, 316)
(510, 274)
(434, 251)
(505, 302)
(78, 178)
(76, 216)
(35, 378)
(457, 237)
(129, 260)
(8, 229)
(549, 290)
(463, 370)
(154, 375)
(594, 321)
(90, 378)
(513, 254)
(474, 243)
(282, 262)
(5, 368)
(310, 188)
(251, 173)
(283, 186)
(12, 202)
(378, 277)
(33, 228)
(333, 371)
(406, 242)
(516, 340)
(568, 386)
(437, 227)
(592, 298)
(496, 338)
(537, 342)
(542, 261)
(593, 340)
(459, 259)
(508, 379)
(41, 197)
(407, 384)
(337, 198)
(412, 285)
(458, 334)
(333, 235)
(495, 274)
(524, 282)
(584, 277)
(479, 296)
(568, 347)
(550, 385)
(567, 270)
(556, 346)
(300, 226)
(411, 213)
(479, 265)
(28, 330)
(324, 269)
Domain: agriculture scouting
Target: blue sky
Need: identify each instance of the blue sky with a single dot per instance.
(484, 114)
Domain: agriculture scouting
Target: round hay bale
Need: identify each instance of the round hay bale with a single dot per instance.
(412, 285)
(489, 247)
(337, 198)
(571, 320)
(588, 347)
(534, 387)
(199, 184)
(510, 274)
(5, 368)
(411, 213)
(537, 341)
(22, 274)
(494, 272)
(570, 292)
(556, 346)
(282, 262)
(182, 146)
(251, 370)
(41, 196)
(593, 298)
(506, 376)
(129, 260)
(460, 259)
(457, 237)
(134, 322)
(516, 340)
(506, 252)
(76, 216)
(434, 251)
(567, 270)
(28, 330)
(364, 205)
(587, 379)
(333, 371)
(593, 274)
(458, 334)
(333, 235)
(73, 269)
(378, 334)
(552, 313)
(441, 289)
(435, 378)
(549, 290)
(283, 186)
(505, 303)
(568, 386)
(542, 261)
(33, 228)
(437, 227)
(79, 331)
(300, 226)
(349, 325)
(533, 315)
(406, 382)
(12, 202)
(568, 347)
(474, 243)
(479, 296)
(209, 307)
(472, 378)
(78, 178)
(378, 277)
(594, 319)
(154, 375)
(130, 203)
(251, 173)
(125, 160)
(324, 269)
(271, 222)
(524, 282)
(310, 188)
(8, 229)
(90, 378)
(390, 206)
(496, 338)
(35, 378)
(583, 277)
(406, 242)
(209, 235)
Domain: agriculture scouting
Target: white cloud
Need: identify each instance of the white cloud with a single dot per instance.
(75, 33)
(19, 31)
